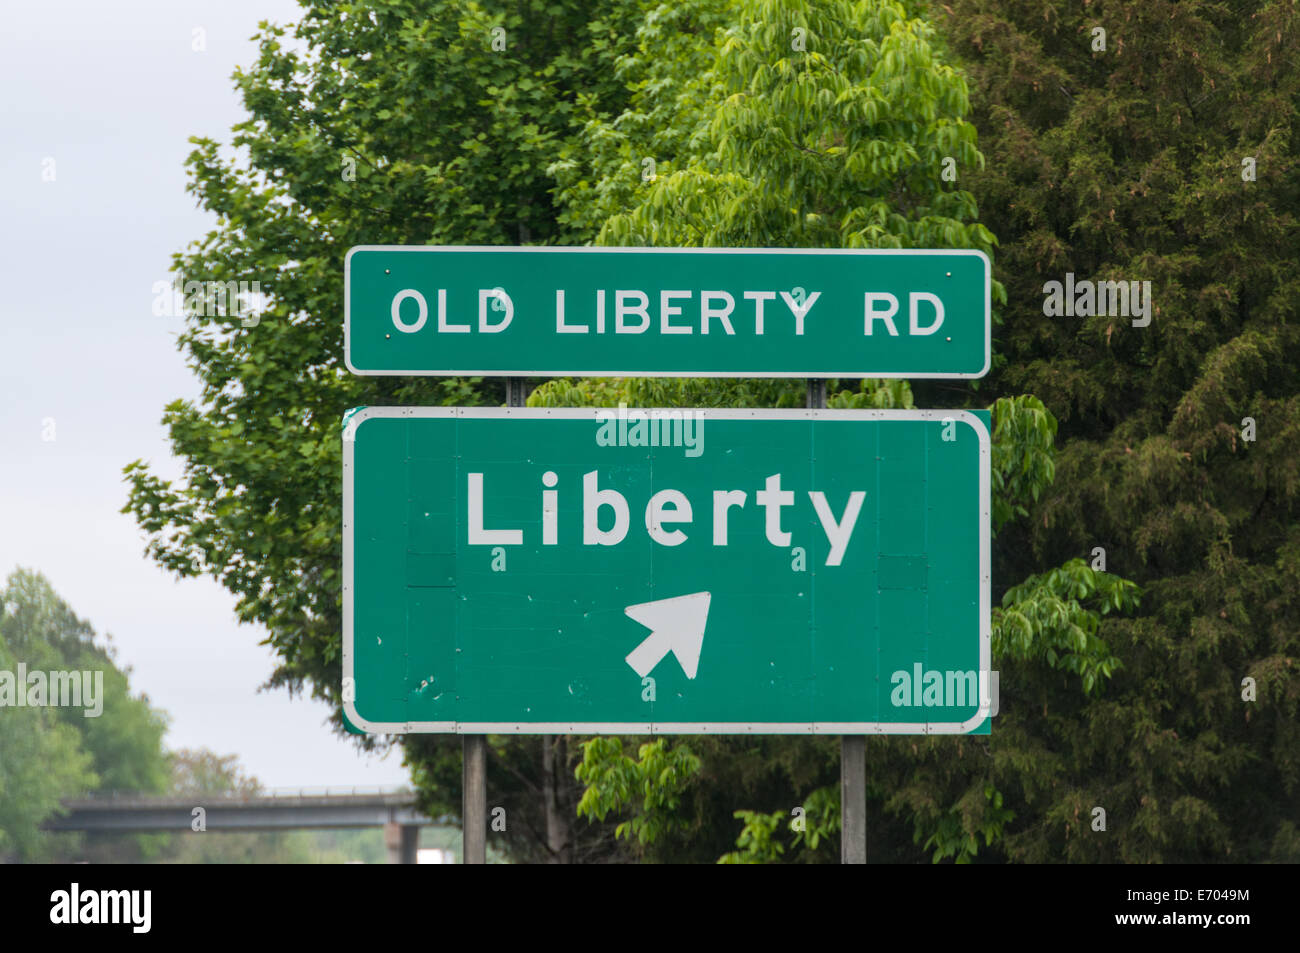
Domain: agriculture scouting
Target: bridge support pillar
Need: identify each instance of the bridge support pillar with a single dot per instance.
(402, 841)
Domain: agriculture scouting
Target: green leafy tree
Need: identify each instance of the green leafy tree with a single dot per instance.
(125, 740)
(370, 122)
(42, 761)
(49, 754)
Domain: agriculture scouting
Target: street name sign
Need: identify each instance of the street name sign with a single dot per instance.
(541, 311)
(666, 571)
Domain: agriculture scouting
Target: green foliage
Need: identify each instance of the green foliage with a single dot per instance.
(42, 761)
(1128, 164)
(756, 841)
(819, 822)
(1024, 432)
(651, 785)
(956, 837)
(1045, 618)
(125, 740)
(695, 392)
(757, 144)
(667, 392)
(51, 753)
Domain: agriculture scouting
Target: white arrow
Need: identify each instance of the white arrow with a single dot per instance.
(677, 626)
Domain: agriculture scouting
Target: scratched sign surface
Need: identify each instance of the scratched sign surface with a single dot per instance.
(685, 571)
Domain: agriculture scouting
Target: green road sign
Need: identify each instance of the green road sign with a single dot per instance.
(687, 571)
(666, 312)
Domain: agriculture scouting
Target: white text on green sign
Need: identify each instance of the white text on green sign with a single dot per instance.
(704, 312)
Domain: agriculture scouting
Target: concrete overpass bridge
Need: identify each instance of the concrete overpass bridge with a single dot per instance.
(394, 811)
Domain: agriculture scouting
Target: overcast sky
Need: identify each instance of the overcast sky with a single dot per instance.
(110, 92)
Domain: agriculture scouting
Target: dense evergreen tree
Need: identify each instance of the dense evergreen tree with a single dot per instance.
(1130, 163)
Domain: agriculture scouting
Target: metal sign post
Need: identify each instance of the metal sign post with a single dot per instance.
(474, 750)
(853, 748)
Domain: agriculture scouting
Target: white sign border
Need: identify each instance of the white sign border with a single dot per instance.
(353, 420)
(542, 249)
